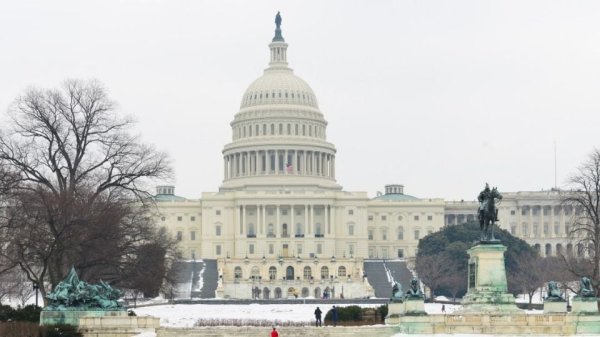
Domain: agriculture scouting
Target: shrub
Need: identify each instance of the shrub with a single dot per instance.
(383, 311)
(60, 330)
(345, 314)
(29, 313)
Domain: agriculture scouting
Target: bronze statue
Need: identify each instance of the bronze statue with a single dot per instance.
(488, 213)
(415, 289)
(585, 287)
(73, 293)
(554, 293)
(397, 295)
(278, 21)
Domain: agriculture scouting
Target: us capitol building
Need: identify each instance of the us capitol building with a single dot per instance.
(280, 219)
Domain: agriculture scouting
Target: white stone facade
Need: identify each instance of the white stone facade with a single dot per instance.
(280, 207)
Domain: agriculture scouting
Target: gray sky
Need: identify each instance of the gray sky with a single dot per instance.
(440, 96)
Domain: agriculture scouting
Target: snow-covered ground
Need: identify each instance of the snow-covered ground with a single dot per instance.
(182, 315)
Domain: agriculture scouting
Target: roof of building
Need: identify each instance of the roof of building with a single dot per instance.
(168, 197)
(395, 197)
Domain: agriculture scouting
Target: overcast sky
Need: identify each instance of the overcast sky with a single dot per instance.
(440, 96)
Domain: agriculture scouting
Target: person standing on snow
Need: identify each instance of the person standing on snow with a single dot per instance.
(318, 317)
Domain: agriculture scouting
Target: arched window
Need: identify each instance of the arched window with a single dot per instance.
(548, 249)
(400, 233)
(266, 292)
(324, 273)
(307, 273)
(237, 272)
(559, 249)
(317, 292)
(318, 229)
(299, 230)
(284, 230)
(270, 230)
(255, 273)
(537, 247)
(569, 249)
(305, 292)
(277, 292)
(272, 273)
(289, 273)
(580, 250)
(342, 271)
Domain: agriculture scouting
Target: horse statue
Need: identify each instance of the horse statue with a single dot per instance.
(488, 213)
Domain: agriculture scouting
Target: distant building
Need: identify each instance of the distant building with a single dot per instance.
(281, 225)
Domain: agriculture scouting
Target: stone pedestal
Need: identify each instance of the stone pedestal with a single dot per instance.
(555, 306)
(71, 317)
(584, 305)
(395, 310)
(414, 306)
(487, 286)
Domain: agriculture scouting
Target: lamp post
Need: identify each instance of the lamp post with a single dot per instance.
(35, 288)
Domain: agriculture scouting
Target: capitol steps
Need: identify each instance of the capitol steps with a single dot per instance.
(380, 274)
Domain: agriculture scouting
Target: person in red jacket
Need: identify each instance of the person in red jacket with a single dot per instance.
(274, 333)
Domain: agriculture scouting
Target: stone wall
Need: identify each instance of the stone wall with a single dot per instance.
(121, 326)
(226, 331)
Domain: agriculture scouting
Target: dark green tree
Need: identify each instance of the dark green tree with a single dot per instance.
(451, 244)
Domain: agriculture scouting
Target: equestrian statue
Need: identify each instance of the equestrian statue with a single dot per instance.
(488, 212)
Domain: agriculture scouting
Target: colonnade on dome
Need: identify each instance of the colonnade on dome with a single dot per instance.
(279, 162)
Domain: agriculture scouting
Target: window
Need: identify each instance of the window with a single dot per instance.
(299, 249)
(251, 248)
(179, 235)
(218, 212)
(525, 229)
(193, 235)
(284, 212)
(193, 218)
(523, 211)
(218, 230)
(383, 218)
(179, 218)
(429, 231)
(319, 248)
(400, 253)
(307, 273)
(512, 212)
(417, 234)
(218, 250)
(429, 217)
(324, 273)
(162, 218)
(513, 230)
(237, 272)
(384, 234)
(350, 230)
(272, 273)
(318, 230)
(270, 229)
(271, 248)
(371, 252)
(400, 233)
(546, 229)
(350, 212)
(351, 249)
(556, 228)
(416, 218)
(370, 218)
(342, 271)
(370, 234)
(400, 218)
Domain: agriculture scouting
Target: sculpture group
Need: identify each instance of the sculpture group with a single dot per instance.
(73, 294)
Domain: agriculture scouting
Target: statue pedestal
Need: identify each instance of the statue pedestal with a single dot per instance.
(395, 310)
(584, 305)
(414, 306)
(487, 286)
(71, 317)
(554, 306)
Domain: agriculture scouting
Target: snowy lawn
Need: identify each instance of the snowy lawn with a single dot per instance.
(186, 315)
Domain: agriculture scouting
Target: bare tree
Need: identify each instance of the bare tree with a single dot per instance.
(434, 270)
(584, 229)
(79, 189)
(530, 275)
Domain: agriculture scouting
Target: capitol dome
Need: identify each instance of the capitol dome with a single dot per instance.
(279, 86)
(279, 135)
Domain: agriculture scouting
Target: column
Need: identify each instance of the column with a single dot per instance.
(243, 226)
(276, 161)
(295, 164)
(264, 217)
(529, 220)
(312, 216)
(333, 167)
(292, 217)
(306, 219)
(277, 217)
(225, 167)
(259, 222)
(326, 212)
(256, 166)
